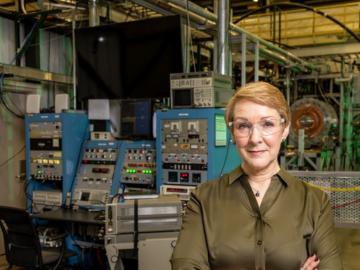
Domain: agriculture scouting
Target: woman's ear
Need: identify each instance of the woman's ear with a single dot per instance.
(286, 132)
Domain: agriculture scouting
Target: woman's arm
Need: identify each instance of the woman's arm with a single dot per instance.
(191, 251)
(324, 243)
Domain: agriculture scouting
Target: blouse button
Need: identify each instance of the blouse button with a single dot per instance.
(259, 242)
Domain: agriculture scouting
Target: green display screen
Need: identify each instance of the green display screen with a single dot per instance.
(220, 130)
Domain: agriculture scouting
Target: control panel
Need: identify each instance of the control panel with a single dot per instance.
(43, 199)
(185, 153)
(45, 151)
(53, 143)
(193, 146)
(96, 172)
(138, 167)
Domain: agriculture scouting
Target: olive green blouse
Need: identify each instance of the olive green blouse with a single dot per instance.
(224, 228)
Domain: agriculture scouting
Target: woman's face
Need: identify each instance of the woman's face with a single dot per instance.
(260, 147)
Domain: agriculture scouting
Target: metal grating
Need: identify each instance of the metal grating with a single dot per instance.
(343, 189)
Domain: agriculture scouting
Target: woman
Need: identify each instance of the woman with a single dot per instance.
(258, 216)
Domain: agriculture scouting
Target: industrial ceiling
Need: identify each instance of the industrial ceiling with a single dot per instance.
(290, 24)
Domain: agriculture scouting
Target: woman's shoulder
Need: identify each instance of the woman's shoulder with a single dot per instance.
(212, 187)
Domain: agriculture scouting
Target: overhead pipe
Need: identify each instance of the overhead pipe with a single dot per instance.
(153, 7)
(215, 58)
(22, 5)
(304, 66)
(223, 36)
(207, 23)
(94, 18)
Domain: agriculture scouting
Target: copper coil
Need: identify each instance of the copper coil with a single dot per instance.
(308, 117)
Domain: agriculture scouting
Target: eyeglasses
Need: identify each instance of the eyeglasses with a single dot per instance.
(266, 127)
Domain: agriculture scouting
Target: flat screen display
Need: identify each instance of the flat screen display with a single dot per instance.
(128, 60)
(182, 97)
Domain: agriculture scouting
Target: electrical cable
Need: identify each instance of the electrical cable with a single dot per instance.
(298, 5)
(60, 257)
(18, 56)
(3, 102)
(345, 204)
(12, 157)
(226, 155)
(13, 103)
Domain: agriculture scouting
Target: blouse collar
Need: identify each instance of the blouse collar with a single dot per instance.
(282, 174)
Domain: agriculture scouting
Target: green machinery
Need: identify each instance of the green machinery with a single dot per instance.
(325, 131)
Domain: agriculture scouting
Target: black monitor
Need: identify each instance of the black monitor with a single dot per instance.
(128, 60)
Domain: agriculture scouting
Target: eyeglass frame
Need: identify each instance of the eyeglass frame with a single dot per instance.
(231, 126)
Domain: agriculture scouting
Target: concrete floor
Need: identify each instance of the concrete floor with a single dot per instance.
(349, 242)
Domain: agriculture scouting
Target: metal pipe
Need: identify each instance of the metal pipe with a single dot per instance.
(256, 61)
(22, 5)
(94, 18)
(303, 65)
(243, 59)
(216, 42)
(185, 38)
(341, 117)
(223, 37)
(288, 86)
(210, 24)
(74, 64)
(153, 7)
(205, 23)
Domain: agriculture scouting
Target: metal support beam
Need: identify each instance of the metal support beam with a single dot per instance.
(94, 18)
(243, 59)
(215, 40)
(223, 37)
(186, 44)
(35, 74)
(256, 63)
(74, 63)
(301, 148)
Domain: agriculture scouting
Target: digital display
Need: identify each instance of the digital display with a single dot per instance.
(100, 170)
(85, 196)
(182, 97)
(220, 130)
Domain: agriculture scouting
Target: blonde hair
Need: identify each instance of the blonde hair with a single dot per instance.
(261, 93)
